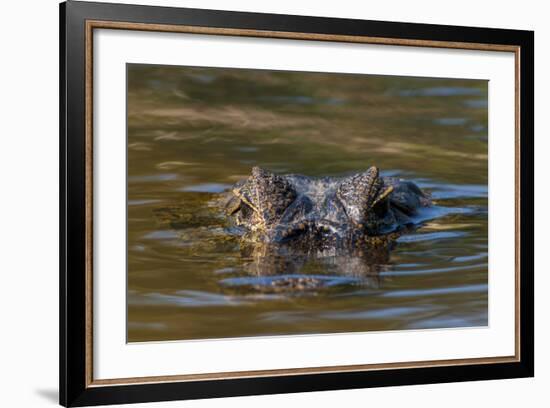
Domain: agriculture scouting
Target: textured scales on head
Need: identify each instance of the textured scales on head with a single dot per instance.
(267, 184)
(267, 194)
(361, 193)
(323, 212)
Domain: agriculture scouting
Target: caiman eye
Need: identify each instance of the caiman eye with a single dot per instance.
(233, 205)
(267, 194)
(243, 214)
(245, 210)
(273, 194)
(358, 193)
(381, 204)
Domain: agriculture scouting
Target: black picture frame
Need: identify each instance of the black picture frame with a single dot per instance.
(75, 387)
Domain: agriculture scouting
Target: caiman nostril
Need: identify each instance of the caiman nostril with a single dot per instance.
(293, 231)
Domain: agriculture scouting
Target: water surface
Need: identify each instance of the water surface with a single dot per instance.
(193, 132)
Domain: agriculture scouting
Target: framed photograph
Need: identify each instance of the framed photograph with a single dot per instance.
(256, 203)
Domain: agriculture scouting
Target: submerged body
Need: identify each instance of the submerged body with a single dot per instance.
(320, 214)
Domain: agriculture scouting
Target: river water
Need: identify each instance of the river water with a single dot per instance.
(193, 132)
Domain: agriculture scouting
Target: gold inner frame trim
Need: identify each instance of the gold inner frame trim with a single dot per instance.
(97, 24)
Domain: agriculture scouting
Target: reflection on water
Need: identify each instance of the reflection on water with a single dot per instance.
(194, 132)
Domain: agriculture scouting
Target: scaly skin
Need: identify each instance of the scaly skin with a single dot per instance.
(315, 214)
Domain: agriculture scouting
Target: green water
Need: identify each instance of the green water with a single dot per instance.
(193, 132)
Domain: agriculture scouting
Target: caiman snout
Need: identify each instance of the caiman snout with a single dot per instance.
(311, 230)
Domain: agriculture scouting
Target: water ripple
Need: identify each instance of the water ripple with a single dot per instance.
(151, 178)
(430, 236)
(446, 190)
(387, 313)
(441, 91)
(188, 298)
(451, 121)
(267, 281)
(206, 188)
(433, 270)
(142, 202)
(161, 234)
(480, 288)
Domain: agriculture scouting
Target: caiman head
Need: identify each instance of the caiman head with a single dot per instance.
(312, 212)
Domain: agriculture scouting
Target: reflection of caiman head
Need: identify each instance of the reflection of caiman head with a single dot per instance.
(274, 259)
(319, 213)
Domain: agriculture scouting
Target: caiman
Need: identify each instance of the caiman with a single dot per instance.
(316, 214)
(346, 225)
